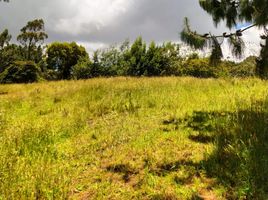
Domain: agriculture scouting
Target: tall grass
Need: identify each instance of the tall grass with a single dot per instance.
(134, 138)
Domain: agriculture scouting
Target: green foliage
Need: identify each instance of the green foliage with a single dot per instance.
(246, 68)
(32, 34)
(113, 60)
(192, 38)
(202, 68)
(20, 72)
(61, 57)
(221, 10)
(83, 69)
(9, 54)
(198, 67)
(97, 69)
(137, 58)
(50, 75)
(153, 60)
(235, 11)
(161, 60)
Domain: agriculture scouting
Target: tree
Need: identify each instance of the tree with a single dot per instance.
(96, 65)
(31, 37)
(153, 60)
(171, 54)
(124, 58)
(8, 55)
(137, 58)
(4, 42)
(110, 60)
(5, 38)
(61, 57)
(232, 12)
(262, 60)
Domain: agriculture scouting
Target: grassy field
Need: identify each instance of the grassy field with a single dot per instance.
(128, 138)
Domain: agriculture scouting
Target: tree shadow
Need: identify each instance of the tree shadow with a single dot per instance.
(240, 158)
(239, 161)
(124, 169)
(166, 168)
(202, 138)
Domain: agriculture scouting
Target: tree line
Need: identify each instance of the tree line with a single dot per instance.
(30, 59)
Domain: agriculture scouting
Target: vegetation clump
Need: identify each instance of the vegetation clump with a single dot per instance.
(20, 72)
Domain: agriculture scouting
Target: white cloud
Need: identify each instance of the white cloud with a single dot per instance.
(92, 46)
(97, 14)
(252, 41)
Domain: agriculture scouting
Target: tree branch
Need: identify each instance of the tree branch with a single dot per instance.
(225, 35)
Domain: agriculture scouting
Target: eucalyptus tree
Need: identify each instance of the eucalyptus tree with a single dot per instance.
(232, 12)
(32, 37)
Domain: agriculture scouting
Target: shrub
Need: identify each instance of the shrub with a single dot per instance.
(82, 70)
(198, 67)
(20, 72)
(245, 68)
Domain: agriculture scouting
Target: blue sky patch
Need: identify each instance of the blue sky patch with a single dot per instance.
(242, 25)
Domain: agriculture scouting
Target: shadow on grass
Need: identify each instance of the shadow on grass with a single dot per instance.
(125, 170)
(239, 161)
(165, 169)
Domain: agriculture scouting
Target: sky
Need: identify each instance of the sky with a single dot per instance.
(100, 23)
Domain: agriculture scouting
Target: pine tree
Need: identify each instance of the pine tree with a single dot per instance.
(231, 12)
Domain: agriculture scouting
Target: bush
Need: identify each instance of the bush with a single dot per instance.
(20, 72)
(245, 68)
(82, 70)
(198, 67)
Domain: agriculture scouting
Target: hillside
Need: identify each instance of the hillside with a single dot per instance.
(134, 138)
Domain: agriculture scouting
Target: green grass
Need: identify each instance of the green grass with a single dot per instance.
(134, 138)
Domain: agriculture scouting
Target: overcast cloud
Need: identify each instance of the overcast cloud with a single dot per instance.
(98, 23)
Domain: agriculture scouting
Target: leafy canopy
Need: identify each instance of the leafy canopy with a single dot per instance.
(32, 34)
(61, 57)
